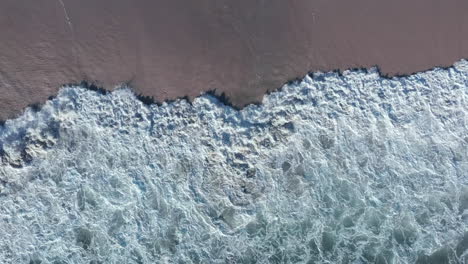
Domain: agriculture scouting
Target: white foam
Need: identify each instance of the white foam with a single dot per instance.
(336, 169)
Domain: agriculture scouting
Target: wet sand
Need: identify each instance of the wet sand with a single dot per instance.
(167, 49)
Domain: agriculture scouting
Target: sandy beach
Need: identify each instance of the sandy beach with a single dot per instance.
(167, 49)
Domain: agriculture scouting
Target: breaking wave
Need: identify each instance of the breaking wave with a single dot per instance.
(351, 168)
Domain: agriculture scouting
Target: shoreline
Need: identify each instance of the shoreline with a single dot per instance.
(148, 101)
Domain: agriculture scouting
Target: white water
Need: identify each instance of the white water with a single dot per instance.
(338, 169)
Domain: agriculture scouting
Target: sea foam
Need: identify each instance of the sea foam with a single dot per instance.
(351, 168)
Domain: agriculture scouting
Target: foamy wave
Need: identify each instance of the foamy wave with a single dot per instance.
(336, 169)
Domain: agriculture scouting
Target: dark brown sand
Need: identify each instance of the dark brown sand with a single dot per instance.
(174, 48)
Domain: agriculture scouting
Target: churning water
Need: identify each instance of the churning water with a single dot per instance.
(333, 169)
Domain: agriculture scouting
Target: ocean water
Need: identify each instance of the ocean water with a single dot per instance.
(351, 168)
